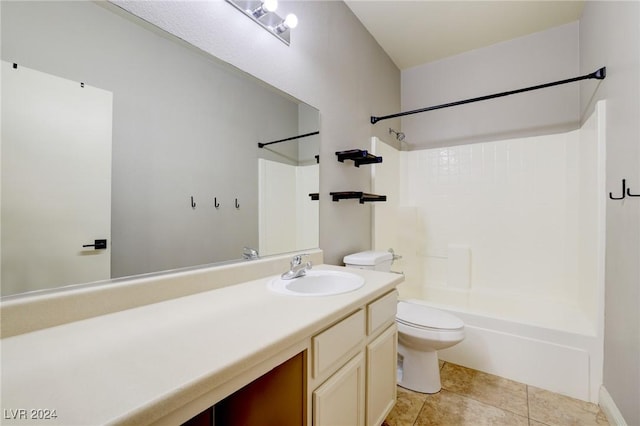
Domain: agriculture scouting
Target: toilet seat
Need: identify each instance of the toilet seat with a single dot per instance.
(425, 317)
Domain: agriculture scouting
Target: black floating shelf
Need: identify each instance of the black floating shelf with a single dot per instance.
(370, 198)
(362, 196)
(314, 196)
(359, 156)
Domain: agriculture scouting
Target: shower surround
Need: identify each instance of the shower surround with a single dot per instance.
(510, 236)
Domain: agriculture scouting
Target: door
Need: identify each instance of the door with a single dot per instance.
(340, 400)
(56, 181)
(381, 376)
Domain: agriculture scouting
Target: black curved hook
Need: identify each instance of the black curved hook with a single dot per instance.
(216, 204)
(632, 195)
(193, 204)
(237, 205)
(624, 186)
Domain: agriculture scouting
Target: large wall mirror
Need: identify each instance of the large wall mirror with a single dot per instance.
(115, 130)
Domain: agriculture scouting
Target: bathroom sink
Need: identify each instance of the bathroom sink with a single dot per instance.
(318, 283)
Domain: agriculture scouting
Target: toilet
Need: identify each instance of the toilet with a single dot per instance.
(422, 330)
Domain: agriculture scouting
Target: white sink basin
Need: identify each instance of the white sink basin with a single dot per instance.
(318, 283)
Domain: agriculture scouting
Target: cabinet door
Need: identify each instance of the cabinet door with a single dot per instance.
(340, 400)
(381, 376)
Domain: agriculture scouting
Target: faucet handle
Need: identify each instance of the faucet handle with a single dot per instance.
(297, 259)
(394, 255)
(250, 253)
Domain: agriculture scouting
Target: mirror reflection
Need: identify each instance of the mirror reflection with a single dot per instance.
(114, 130)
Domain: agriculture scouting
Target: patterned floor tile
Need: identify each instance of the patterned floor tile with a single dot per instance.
(447, 408)
(558, 410)
(407, 408)
(493, 390)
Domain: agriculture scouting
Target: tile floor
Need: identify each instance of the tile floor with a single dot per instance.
(470, 397)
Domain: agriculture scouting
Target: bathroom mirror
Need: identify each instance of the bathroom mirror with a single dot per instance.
(184, 182)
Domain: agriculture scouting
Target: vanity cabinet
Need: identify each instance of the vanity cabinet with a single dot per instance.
(353, 377)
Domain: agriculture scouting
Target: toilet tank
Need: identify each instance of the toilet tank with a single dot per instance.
(374, 260)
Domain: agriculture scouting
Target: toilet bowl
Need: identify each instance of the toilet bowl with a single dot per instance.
(422, 331)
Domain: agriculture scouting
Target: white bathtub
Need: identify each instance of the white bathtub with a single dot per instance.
(549, 346)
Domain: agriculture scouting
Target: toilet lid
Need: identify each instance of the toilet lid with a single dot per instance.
(426, 317)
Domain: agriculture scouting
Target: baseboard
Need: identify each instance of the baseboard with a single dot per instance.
(610, 409)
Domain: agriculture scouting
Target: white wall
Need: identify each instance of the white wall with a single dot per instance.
(538, 58)
(333, 64)
(610, 35)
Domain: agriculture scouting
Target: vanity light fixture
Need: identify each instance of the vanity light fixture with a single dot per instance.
(263, 13)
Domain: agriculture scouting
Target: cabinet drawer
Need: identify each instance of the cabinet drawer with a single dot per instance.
(337, 342)
(382, 312)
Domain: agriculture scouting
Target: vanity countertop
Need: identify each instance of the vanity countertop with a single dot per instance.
(138, 365)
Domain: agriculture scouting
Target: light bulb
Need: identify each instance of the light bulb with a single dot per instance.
(265, 7)
(291, 21)
(270, 5)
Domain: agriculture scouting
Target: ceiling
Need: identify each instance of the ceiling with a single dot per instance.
(414, 32)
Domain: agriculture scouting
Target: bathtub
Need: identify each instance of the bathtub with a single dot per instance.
(543, 344)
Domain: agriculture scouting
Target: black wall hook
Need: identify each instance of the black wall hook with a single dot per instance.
(632, 195)
(237, 205)
(193, 203)
(624, 186)
(216, 204)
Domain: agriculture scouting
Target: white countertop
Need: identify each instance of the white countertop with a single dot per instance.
(137, 365)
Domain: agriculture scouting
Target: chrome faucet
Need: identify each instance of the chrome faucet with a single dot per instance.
(249, 253)
(298, 269)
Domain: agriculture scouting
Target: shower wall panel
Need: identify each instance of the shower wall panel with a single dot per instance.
(518, 204)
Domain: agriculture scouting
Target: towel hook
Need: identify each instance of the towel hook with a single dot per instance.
(193, 204)
(237, 205)
(624, 189)
(216, 204)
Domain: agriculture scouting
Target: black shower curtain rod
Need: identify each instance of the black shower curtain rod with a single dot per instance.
(262, 145)
(599, 75)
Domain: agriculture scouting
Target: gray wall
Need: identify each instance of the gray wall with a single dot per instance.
(184, 125)
(538, 58)
(610, 35)
(333, 64)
